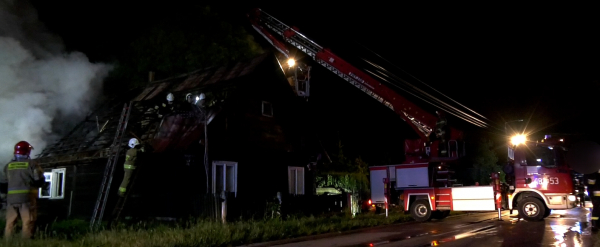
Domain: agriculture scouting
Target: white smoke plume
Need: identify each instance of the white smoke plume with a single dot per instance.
(43, 88)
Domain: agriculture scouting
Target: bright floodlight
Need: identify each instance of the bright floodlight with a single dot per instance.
(518, 139)
(291, 62)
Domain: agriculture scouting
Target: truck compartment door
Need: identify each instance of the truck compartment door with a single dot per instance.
(473, 198)
(412, 176)
(376, 178)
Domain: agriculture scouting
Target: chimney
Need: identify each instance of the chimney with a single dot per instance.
(151, 76)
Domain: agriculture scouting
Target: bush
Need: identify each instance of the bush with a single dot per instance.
(201, 232)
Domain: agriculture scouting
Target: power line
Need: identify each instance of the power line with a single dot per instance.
(388, 74)
(421, 81)
(461, 117)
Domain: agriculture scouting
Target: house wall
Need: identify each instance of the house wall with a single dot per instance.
(173, 183)
(82, 184)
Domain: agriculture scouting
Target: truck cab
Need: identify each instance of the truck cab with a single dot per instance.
(539, 178)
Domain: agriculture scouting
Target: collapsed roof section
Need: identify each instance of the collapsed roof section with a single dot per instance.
(93, 137)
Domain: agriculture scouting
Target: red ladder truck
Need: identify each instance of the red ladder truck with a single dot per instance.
(424, 178)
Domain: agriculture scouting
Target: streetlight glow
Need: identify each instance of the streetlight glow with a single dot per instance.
(518, 139)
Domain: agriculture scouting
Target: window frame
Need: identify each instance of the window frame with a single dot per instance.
(296, 168)
(214, 175)
(263, 108)
(54, 189)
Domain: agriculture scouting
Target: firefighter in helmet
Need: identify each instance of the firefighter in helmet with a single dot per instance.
(130, 162)
(592, 181)
(20, 181)
(163, 108)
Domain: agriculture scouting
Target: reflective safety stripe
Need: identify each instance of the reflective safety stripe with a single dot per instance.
(594, 218)
(596, 192)
(591, 181)
(121, 189)
(127, 157)
(18, 165)
(12, 192)
(131, 167)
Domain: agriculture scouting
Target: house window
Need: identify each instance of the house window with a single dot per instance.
(296, 180)
(267, 109)
(224, 177)
(56, 190)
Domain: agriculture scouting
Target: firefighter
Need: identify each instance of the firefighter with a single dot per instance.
(163, 108)
(441, 133)
(592, 180)
(130, 164)
(21, 179)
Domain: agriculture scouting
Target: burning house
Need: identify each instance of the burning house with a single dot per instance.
(244, 115)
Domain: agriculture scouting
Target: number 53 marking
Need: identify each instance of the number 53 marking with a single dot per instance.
(551, 180)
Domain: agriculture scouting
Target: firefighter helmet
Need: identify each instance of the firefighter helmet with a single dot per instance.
(23, 148)
(170, 97)
(188, 97)
(133, 142)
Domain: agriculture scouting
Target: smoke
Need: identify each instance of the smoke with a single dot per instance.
(43, 88)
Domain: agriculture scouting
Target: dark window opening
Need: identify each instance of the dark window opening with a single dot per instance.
(267, 109)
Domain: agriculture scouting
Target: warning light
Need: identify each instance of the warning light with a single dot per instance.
(370, 202)
(435, 243)
(432, 198)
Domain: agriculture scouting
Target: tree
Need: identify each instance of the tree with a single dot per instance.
(345, 173)
(485, 161)
(195, 37)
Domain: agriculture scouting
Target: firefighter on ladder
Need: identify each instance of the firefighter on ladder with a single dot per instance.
(592, 181)
(20, 181)
(441, 133)
(130, 162)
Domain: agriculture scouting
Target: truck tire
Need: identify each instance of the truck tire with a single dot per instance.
(420, 210)
(548, 213)
(531, 209)
(440, 214)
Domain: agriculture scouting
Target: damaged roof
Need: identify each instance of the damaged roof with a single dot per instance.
(93, 137)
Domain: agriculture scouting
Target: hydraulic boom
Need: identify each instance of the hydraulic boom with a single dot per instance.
(421, 121)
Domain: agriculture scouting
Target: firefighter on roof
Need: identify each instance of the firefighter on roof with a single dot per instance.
(130, 162)
(163, 108)
(20, 181)
(592, 180)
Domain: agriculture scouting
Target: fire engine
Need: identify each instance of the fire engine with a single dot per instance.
(539, 177)
(425, 180)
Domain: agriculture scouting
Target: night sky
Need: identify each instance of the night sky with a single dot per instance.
(539, 62)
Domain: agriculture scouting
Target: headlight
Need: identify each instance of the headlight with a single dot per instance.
(572, 198)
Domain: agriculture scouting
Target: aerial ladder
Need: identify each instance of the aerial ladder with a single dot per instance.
(423, 123)
(424, 178)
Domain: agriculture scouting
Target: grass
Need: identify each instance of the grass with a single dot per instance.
(199, 233)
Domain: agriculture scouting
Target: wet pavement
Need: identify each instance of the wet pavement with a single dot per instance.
(562, 228)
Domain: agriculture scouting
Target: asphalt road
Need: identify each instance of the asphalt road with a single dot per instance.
(562, 228)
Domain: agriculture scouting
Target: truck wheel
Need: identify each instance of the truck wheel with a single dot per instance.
(420, 210)
(548, 212)
(531, 209)
(440, 214)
